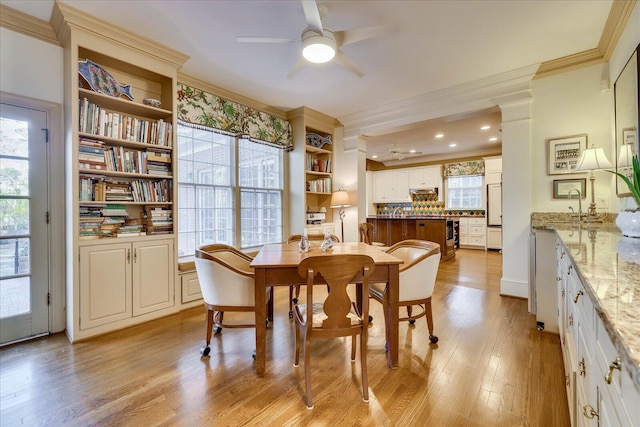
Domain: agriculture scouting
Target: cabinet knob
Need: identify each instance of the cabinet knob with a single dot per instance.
(589, 412)
(616, 364)
(580, 292)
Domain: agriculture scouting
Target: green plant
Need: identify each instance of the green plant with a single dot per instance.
(634, 186)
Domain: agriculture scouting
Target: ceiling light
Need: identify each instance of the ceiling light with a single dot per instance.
(318, 48)
(375, 156)
(493, 139)
(453, 145)
(440, 135)
(412, 151)
(485, 127)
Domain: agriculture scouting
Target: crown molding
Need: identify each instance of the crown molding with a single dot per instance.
(26, 24)
(472, 96)
(616, 22)
(65, 18)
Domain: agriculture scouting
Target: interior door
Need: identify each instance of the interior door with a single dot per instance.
(24, 261)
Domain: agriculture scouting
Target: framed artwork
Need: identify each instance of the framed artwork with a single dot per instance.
(629, 137)
(565, 152)
(562, 188)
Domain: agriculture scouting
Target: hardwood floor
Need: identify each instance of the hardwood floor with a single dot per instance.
(491, 367)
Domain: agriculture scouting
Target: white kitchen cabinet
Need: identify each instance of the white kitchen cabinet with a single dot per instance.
(472, 232)
(604, 391)
(425, 177)
(493, 170)
(391, 186)
(494, 237)
(120, 281)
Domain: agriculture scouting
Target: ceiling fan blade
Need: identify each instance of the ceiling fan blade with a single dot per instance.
(296, 68)
(344, 61)
(346, 37)
(312, 15)
(250, 39)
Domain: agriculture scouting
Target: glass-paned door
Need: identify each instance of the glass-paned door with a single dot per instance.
(24, 203)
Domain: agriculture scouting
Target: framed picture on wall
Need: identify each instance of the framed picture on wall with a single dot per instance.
(565, 152)
(562, 188)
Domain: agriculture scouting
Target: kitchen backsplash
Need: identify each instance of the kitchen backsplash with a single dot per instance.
(423, 206)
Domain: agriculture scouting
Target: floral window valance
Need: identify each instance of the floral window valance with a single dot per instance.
(198, 107)
(464, 168)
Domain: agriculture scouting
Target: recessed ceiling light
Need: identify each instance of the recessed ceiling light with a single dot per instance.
(493, 139)
(439, 135)
(375, 156)
(485, 127)
(452, 145)
(412, 151)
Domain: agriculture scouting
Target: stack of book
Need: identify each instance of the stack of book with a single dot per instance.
(91, 222)
(159, 219)
(132, 227)
(91, 154)
(114, 217)
(117, 191)
(158, 163)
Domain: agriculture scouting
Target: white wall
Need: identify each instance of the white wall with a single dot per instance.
(563, 105)
(30, 67)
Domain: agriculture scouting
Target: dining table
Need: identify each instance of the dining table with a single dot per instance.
(277, 265)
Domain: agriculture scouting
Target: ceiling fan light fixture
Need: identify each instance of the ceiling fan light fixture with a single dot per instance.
(318, 48)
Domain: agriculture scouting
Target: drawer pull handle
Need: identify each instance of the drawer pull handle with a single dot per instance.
(616, 364)
(580, 292)
(583, 368)
(571, 320)
(128, 256)
(589, 412)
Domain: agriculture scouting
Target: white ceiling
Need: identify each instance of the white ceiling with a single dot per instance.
(435, 45)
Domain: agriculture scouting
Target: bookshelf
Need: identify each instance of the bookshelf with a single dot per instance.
(311, 168)
(120, 167)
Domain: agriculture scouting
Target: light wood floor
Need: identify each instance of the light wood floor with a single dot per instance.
(491, 367)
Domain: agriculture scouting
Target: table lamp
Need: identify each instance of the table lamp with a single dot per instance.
(340, 199)
(593, 159)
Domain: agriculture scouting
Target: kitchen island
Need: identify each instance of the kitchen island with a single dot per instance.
(440, 229)
(598, 288)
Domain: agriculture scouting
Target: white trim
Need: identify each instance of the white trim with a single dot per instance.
(514, 289)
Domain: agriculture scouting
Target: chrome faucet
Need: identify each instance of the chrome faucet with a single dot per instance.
(579, 203)
(395, 212)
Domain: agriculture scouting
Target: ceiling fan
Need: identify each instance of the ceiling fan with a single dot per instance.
(400, 155)
(319, 44)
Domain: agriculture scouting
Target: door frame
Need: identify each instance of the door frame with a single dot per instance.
(56, 189)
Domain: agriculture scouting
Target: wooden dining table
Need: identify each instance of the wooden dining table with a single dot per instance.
(277, 265)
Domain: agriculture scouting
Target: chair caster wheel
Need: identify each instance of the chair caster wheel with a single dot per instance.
(433, 339)
(254, 355)
(205, 350)
(412, 322)
(370, 319)
(218, 331)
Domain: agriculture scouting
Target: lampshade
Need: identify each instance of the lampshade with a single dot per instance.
(318, 48)
(593, 159)
(340, 199)
(625, 156)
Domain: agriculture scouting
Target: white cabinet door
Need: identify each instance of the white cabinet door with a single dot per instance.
(494, 238)
(400, 191)
(391, 186)
(433, 176)
(493, 170)
(425, 177)
(190, 287)
(153, 271)
(105, 284)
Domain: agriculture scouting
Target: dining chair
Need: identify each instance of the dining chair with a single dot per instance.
(296, 289)
(417, 280)
(366, 234)
(227, 284)
(335, 315)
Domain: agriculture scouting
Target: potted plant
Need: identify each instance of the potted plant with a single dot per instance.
(629, 220)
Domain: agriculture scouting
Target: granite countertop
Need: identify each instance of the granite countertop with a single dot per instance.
(428, 217)
(609, 264)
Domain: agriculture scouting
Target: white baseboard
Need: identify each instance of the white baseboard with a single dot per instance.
(514, 289)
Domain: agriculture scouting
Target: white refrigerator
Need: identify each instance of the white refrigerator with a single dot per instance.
(494, 216)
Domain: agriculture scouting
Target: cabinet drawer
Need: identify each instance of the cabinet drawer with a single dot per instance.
(624, 397)
(477, 221)
(476, 229)
(476, 240)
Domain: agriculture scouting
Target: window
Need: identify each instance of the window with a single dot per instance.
(209, 199)
(464, 192)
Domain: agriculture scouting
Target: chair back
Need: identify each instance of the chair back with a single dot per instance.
(225, 277)
(418, 272)
(315, 237)
(338, 271)
(366, 232)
